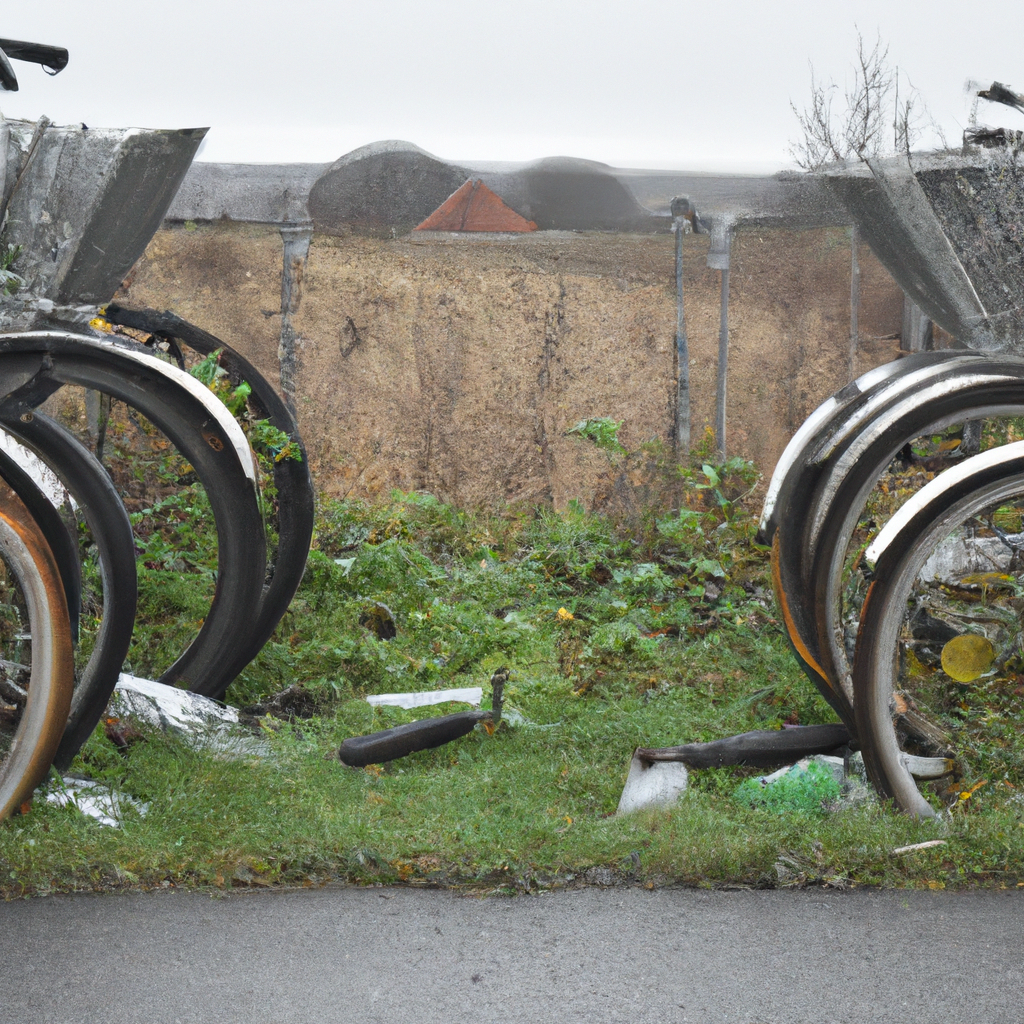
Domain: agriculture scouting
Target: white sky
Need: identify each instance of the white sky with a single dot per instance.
(635, 83)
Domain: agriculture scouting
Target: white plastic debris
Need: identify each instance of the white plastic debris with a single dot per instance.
(655, 784)
(95, 800)
(467, 695)
(920, 846)
(203, 721)
(834, 764)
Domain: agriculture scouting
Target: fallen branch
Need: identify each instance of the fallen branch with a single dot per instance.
(764, 748)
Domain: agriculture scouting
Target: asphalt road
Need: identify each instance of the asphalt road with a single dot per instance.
(405, 956)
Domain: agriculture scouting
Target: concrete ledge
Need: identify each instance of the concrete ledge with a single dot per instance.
(256, 193)
(279, 194)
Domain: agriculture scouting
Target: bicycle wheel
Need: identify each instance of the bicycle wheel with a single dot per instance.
(100, 506)
(930, 627)
(829, 483)
(38, 663)
(292, 479)
(206, 434)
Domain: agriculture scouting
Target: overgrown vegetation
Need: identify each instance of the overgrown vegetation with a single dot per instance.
(644, 625)
(10, 282)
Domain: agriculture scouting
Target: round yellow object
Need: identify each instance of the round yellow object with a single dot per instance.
(967, 656)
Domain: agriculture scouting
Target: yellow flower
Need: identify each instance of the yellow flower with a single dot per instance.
(564, 615)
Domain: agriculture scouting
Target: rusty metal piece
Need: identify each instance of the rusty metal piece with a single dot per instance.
(41, 723)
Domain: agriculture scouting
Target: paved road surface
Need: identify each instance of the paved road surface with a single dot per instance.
(400, 956)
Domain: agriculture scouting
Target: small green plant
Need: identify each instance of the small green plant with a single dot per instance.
(10, 282)
(603, 431)
(266, 440)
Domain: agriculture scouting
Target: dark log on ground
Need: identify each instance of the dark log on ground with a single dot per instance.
(992, 138)
(766, 748)
(930, 739)
(378, 747)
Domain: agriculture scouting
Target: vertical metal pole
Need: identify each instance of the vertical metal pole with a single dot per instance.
(723, 366)
(296, 238)
(682, 353)
(718, 259)
(854, 298)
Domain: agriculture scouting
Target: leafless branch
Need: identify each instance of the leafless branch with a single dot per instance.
(872, 104)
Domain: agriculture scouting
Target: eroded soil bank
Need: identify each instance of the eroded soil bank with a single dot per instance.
(455, 364)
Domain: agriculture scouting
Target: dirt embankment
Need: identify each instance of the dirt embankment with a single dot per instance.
(456, 364)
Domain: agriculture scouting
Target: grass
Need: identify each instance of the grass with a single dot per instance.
(620, 630)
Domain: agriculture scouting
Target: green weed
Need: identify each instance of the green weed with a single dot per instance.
(612, 642)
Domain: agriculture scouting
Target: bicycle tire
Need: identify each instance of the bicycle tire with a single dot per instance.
(41, 723)
(897, 555)
(205, 433)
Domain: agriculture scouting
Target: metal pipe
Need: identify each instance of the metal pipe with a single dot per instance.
(682, 431)
(854, 298)
(718, 259)
(723, 366)
(686, 219)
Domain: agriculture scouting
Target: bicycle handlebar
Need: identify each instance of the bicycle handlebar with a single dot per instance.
(53, 57)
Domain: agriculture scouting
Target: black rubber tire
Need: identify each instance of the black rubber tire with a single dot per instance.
(203, 431)
(108, 523)
(291, 477)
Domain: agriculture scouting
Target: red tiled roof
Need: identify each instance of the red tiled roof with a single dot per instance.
(474, 207)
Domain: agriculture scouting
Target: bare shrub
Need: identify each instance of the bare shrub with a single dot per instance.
(861, 123)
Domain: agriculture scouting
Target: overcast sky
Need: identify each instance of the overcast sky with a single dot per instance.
(635, 83)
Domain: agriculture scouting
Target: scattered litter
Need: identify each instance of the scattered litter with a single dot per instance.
(652, 784)
(95, 800)
(204, 722)
(471, 695)
(808, 786)
(514, 718)
(920, 846)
